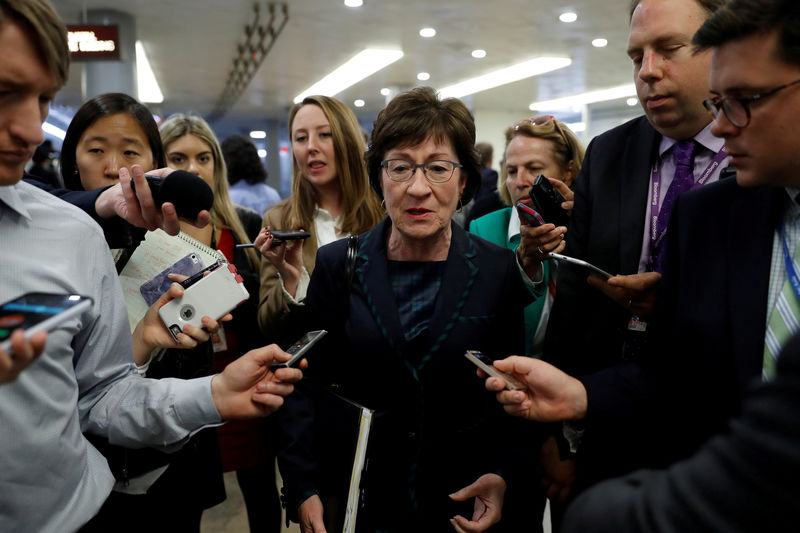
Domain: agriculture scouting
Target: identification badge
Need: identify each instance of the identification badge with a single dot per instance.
(636, 324)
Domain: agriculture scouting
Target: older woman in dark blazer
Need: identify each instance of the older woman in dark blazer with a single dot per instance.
(423, 292)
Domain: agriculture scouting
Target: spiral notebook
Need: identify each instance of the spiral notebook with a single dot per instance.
(158, 251)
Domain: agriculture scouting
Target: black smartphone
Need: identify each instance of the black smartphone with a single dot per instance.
(548, 201)
(299, 349)
(38, 311)
(282, 235)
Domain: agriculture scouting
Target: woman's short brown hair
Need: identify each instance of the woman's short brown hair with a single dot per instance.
(416, 115)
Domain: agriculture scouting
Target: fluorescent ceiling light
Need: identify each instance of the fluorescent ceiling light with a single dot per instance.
(359, 103)
(576, 127)
(568, 17)
(258, 134)
(423, 76)
(599, 43)
(261, 153)
(585, 98)
(55, 131)
(149, 91)
(360, 66)
(632, 101)
(479, 53)
(427, 32)
(517, 72)
(353, 3)
(386, 91)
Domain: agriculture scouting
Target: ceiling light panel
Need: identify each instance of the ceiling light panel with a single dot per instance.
(520, 71)
(591, 97)
(362, 65)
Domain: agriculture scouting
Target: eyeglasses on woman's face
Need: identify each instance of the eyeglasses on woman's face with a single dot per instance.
(436, 171)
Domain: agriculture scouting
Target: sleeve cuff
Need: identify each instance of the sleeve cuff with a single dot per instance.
(534, 282)
(302, 287)
(195, 406)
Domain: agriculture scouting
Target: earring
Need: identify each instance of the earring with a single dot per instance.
(383, 204)
(460, 205)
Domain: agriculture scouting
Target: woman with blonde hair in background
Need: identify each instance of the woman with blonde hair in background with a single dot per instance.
(331, 199)
(245, 447)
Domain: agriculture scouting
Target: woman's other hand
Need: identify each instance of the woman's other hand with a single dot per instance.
(310, 515)
(489, 490)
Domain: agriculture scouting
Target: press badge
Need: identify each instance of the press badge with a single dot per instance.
(637, 324)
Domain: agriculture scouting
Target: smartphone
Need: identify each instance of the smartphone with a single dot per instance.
(548, 201)
(577, 262)
(530, 216)
(153, 289)
(282, 235)
(485, 362)
(39, 311)
(214, 295)
(299, 349)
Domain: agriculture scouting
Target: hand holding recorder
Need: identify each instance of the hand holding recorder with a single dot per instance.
(284, 250)
(132, 200)
(550, 395)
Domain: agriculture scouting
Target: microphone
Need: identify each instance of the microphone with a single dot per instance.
(187, 192)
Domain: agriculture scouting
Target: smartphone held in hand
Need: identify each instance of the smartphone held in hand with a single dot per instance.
(299, 349)
(214, 295)
(38, 311)
(485, 363)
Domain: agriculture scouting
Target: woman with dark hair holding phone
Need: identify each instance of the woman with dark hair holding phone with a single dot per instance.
(423, 292)
(330, 199)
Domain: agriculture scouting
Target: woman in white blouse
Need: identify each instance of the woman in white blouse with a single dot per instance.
(331, 198)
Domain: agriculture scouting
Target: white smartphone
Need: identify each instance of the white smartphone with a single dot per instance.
(485, 363)
(214, 295)
(299, 349)
(577, 262)
(38, 311)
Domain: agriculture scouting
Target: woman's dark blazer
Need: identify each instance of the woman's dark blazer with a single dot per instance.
(436, 428)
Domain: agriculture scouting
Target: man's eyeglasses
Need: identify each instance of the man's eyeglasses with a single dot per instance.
(437, 171)
(737, 109)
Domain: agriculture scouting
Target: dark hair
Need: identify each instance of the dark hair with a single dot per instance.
(49, 33)
(742, 18)
(485, 152)
(710, 6)
(241, 157)
(414, 116)
(98, 107)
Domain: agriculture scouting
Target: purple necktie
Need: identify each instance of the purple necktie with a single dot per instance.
(683, 155)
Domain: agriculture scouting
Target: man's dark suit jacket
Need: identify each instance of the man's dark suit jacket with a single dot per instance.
(744, 480)
(586, 329)
(606, 230)
(709, 322)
